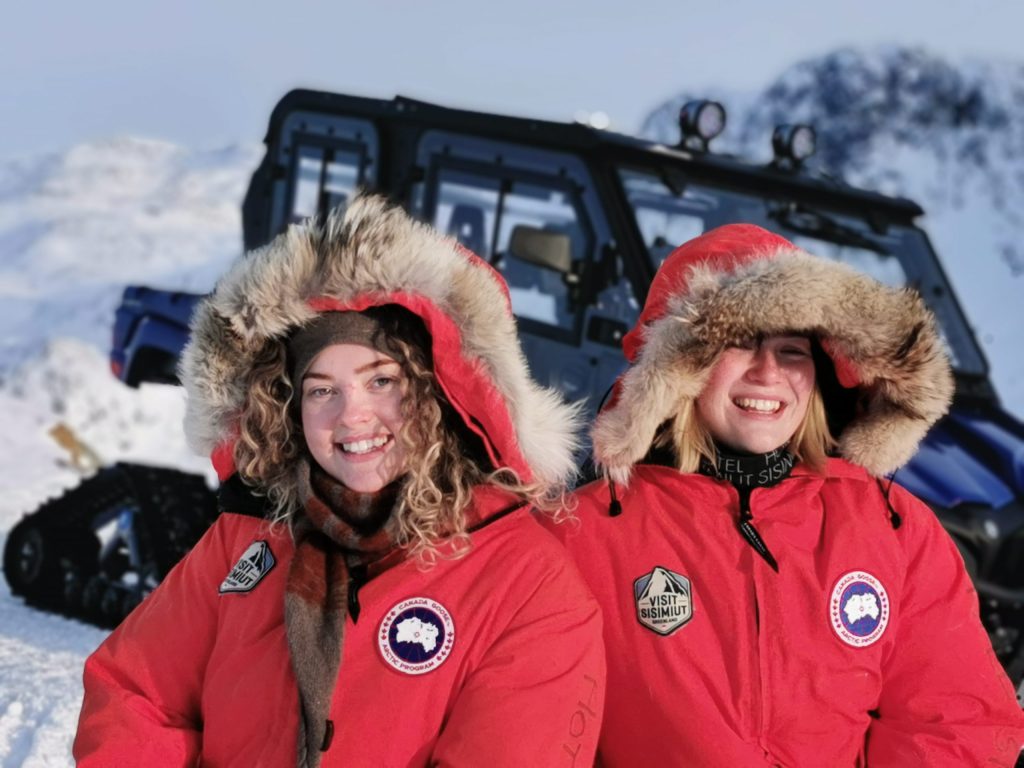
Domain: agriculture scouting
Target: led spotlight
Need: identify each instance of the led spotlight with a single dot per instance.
(792, 144)
(700, 121)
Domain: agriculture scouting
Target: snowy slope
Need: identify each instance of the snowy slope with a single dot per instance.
(74, 229)
(949, 136)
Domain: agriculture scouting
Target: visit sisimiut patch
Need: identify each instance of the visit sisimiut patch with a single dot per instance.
(664, 601)
(859, 609)
(416, 635)
(252, 566)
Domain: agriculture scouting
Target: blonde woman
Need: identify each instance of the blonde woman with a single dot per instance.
(770, 598)
(377, 590)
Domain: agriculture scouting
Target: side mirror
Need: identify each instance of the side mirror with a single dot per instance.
(549, 250)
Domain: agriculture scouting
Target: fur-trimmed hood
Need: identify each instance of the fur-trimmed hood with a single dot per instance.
(738, 281)
(372, 255)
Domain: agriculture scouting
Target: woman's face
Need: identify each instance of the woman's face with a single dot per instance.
(757, 395)
(351, 415)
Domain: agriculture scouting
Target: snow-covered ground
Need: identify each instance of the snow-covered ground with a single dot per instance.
(41, 658)
(74, 230)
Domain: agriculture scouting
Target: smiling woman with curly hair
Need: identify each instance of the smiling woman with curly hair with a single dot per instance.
(377, 590)
(445, 459)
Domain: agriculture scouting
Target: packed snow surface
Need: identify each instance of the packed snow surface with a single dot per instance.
(74, 230)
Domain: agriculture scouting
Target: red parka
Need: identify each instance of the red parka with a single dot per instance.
(866, 647)
(492, 658)
(751, 667)
(196, 676)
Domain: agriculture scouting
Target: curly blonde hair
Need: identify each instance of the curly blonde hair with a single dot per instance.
(446, 459)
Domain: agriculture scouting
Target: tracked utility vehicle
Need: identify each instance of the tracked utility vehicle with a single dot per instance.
(577, 220)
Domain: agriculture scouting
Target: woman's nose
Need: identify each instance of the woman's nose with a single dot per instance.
(764, 366)
(353, 408)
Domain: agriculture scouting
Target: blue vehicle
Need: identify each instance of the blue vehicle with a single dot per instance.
(578, 220)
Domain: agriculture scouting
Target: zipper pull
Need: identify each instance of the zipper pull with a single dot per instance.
(356, 579)
(614, 506)
(328, 735)
(750, 533)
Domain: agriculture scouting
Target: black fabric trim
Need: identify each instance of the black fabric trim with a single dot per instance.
(235, 496)
(749, 470)
(894, 517)
(745, 472)
(661, 455)
(497, 516)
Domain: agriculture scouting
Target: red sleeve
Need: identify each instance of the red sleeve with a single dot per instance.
(143, 684)
(945, 699)
(537, 696)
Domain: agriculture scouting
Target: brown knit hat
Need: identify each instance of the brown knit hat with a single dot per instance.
(375, 327)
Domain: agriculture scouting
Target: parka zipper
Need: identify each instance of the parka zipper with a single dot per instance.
(749, 532)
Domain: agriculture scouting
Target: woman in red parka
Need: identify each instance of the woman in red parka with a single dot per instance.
(376, 591)
(770, 598)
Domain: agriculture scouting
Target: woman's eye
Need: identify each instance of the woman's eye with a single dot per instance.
(796, 352)
(318, 392)
(383, 382)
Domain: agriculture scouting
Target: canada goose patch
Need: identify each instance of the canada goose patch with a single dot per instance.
(859, 609)
(416, 635)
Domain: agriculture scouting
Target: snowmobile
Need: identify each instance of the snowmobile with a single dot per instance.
(97, 550)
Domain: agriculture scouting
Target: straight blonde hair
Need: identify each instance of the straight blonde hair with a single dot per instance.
(811, 443)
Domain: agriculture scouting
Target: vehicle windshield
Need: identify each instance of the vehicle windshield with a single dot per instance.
(668, 213)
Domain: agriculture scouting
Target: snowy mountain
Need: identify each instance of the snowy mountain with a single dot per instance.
(949, 136)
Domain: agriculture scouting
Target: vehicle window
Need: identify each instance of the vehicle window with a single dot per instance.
(325, 178)
(307, 183)
(320, 161)
(665, 220)
(883, 268)
(537, 293)
(483, 212)
(467, 209)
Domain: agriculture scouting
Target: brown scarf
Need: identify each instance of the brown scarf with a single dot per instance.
(343, 539)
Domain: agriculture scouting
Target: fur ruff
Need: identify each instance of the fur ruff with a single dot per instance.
(888, 336)
(371, 255)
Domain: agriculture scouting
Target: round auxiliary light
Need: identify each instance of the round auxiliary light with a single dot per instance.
(700, 121)
(792, 144)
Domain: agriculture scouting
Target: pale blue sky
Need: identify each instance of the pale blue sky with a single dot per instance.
(207, 72)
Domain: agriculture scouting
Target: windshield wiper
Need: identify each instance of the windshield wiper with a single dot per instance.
(821, 226)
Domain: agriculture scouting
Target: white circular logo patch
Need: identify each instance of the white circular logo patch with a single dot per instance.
(416, 635)
(859, 609)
